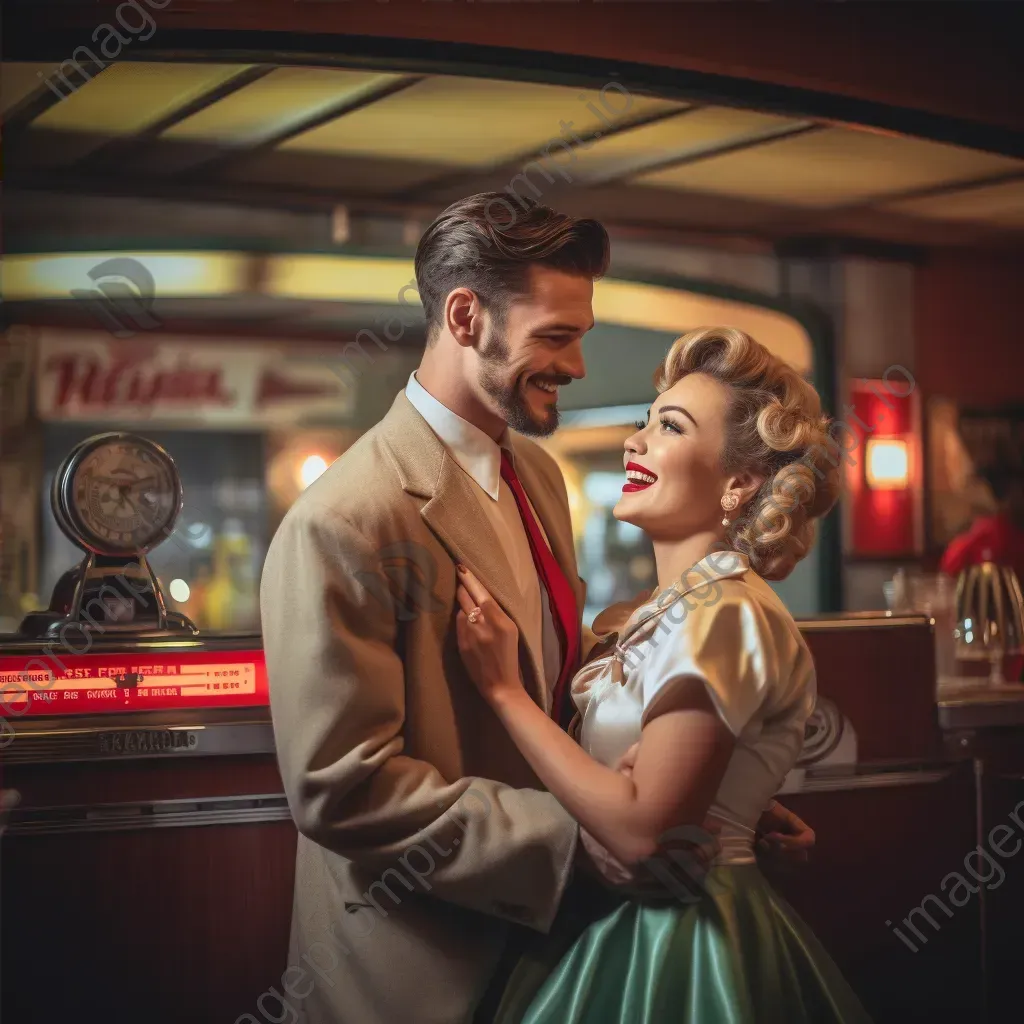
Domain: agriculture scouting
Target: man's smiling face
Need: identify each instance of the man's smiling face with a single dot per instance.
(536, 347)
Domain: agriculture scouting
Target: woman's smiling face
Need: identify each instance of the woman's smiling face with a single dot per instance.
(681, 447)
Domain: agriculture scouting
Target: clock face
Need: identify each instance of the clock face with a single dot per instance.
(118, 494)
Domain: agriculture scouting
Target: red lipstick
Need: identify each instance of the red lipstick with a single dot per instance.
(639, 478)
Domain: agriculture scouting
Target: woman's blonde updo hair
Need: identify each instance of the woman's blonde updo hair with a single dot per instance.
(775, 428)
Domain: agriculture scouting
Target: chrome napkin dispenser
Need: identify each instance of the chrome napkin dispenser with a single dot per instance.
(990, 616)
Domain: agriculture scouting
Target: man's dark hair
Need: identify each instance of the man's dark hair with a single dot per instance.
(486, 244)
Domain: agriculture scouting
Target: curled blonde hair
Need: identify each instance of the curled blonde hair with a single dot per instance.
(775, 428)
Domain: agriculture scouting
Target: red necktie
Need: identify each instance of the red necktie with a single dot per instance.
(560, 593)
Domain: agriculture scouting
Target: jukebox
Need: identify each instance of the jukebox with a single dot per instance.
(137, 761)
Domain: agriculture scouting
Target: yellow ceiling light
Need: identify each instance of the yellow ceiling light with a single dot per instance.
(19, 79)
(343, 279)
(127, 98)
(391, 280)
(652, 307)
(472, 122)
(284, 98)
(175, 274)
(1000, 205)
(689, 134)
(386, 281)
(830, 167)
(657, 308)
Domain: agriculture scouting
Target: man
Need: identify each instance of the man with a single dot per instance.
(425, 838)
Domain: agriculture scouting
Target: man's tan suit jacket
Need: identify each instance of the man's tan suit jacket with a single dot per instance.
(423, 832)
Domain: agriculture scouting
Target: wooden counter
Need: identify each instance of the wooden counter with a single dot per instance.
(985, 707)
(154, 890)
(159, 888)
(885, 847)
(984, 728)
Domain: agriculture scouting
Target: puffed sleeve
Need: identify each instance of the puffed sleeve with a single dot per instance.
(727, 646)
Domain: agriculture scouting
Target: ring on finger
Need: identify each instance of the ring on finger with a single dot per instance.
(474, 615)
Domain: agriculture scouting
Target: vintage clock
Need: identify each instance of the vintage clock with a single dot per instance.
(116, 496)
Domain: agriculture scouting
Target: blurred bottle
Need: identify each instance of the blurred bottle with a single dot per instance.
(232, 599)
(934, 594)
(198, 586)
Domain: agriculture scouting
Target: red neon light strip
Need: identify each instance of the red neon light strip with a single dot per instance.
(90, 683)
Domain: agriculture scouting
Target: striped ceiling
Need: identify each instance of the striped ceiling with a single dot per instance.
(349, 136)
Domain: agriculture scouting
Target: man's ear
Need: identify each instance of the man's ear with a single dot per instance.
(463, 316)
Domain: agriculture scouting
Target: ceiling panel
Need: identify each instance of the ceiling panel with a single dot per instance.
(432, 141)
(48, 150)
(19, 80)
(127, 98)
(270, 106)
(686, 135)
(831, 167)
(884, 224)
(998, 205)
(354, 175)
(469, 122)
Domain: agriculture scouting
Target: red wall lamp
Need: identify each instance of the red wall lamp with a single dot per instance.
(881, 441)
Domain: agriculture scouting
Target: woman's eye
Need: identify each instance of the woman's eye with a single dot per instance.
(640, 425)
(671, 426)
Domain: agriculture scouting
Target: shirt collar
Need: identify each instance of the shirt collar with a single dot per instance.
(471, 448)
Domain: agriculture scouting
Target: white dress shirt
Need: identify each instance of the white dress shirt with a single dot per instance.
(480, 458)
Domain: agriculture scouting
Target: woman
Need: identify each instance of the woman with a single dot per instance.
(711, 683)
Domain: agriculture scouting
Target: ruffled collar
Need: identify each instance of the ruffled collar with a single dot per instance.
(626, 618)
(718, 565)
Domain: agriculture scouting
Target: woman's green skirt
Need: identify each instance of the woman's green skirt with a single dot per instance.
(739, 954)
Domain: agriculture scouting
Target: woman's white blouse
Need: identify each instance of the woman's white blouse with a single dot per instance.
(728, 629)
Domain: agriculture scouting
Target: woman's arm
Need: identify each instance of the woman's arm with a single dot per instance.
(783, 836)
(683, 753)
(682, 756)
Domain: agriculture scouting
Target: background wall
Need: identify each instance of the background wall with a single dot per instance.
(950, 317)
(969, 337)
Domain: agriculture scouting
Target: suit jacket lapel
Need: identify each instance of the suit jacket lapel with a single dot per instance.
(452, 511)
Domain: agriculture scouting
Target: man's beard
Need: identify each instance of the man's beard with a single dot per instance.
(495, 354)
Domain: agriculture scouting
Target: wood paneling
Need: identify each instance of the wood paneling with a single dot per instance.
(879, 853)
(102, 782)
(164, 926)
(883, 680)
(969, 319)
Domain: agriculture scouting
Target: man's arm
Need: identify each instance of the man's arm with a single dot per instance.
(337, 694)
(783, 838)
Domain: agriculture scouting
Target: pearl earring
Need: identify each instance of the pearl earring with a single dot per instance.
(729, 503)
